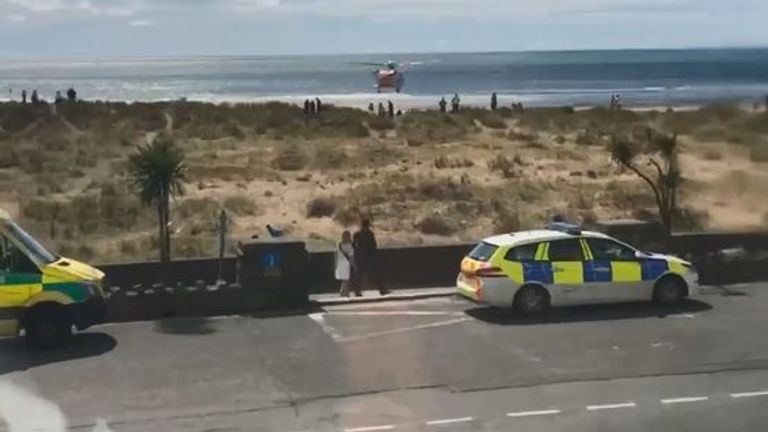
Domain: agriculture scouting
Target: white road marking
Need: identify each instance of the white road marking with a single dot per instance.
(533, 413)
(370, 428)
(749, 394)
(327, 329)
(611, 406)
(449, 421)
(684, 400)
(402, 330)
(394, 313)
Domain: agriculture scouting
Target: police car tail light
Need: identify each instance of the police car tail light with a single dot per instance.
(489, 272)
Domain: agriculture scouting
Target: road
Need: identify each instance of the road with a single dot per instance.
(422, 365)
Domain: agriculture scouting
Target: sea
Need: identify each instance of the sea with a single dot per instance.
(643, 78)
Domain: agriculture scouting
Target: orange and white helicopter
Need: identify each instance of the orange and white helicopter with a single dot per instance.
(388, 78)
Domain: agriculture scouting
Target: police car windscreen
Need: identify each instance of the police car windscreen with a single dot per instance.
(483, 252)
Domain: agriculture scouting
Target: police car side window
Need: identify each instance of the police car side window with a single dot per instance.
(522, 253)
(604, 249)
(565, 250)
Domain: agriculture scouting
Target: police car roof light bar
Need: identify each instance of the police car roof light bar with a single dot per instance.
(567, 228)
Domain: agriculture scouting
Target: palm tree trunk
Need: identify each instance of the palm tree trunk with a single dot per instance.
(167, 210)
(161, 230)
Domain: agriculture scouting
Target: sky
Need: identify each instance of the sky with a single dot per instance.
(129, 28)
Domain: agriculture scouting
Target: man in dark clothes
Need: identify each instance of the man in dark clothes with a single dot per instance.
(35, 98)
(494, 101)
(24, 96)
(391, 108)
(71, 94)
(364, 244)
(312, 107)
(318, 104)
(306, 106)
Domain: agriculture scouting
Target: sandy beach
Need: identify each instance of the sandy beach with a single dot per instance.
(424, 177)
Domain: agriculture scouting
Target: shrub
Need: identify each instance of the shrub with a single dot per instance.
(321, 207)
(436, 224)
(758, 153)
(240, 205)
(513, 135)
(348, 215)
(587, 137)
(290, 159)
(503, 164)
(328, 156)
(506, 221)
(381, 123)
(442, 162)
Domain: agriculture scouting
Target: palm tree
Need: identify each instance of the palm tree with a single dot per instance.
(667, 171)
(158, 170)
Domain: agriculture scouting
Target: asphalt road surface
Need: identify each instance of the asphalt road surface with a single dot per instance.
(423, 365)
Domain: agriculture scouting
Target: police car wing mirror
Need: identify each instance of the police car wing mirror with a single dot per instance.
(641, 255)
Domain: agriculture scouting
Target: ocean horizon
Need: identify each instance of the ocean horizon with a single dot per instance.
(643, 77)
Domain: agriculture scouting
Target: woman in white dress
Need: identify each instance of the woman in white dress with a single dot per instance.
(344, 259)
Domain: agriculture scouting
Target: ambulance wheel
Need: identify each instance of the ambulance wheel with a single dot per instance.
(669, 291)
(532, 300)
(47, 326)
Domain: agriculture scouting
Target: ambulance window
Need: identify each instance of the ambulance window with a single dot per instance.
(522, 253)
(565, 250)
(605, 249)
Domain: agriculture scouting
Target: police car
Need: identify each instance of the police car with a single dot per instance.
(563, 265)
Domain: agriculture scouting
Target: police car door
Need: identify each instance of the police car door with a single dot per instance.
(614, 270)
(567, 261)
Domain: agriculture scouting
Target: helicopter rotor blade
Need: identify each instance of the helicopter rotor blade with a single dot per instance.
(366, 63)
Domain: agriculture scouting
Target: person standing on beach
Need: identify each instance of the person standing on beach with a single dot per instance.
(35, 99)
(312, 108)
(494, 101)
(391, 108)
(23, 96)
(306, 106)
(345, 254)
(71, 94)
(318, 104)
(371, 109)
(365, 247)
(442, 104)
(455, 103)
(381, 109)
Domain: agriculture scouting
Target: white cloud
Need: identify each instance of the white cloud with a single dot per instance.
(16, 17)
(139, 23)
(75, 7)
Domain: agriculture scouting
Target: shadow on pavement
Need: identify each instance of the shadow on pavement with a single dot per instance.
(15, 355)
(185, 326)
(586, 313)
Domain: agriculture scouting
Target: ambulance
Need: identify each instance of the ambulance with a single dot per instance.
(42, 294)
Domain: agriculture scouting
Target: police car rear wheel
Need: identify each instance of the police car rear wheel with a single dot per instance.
(669, 291)
(47, 327)
(532, 301)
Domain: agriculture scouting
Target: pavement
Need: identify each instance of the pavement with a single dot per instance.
(371, 296)
(421, 364)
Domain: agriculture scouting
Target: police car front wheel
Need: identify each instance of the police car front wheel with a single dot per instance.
(669, 291)
(532, 300)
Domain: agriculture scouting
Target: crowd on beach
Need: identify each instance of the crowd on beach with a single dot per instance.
(34, 97)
